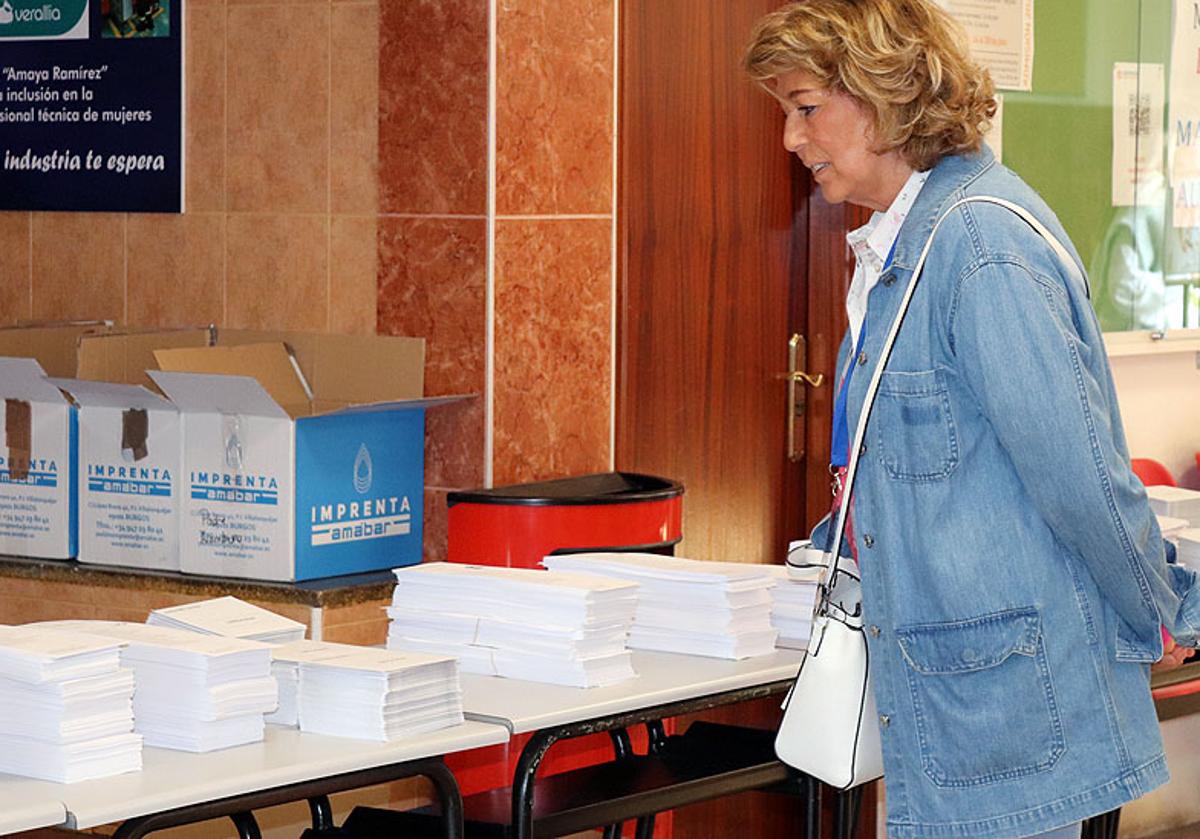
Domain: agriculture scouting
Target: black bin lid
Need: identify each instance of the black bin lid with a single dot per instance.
(601, 488)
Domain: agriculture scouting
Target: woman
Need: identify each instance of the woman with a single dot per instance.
(1015, 586)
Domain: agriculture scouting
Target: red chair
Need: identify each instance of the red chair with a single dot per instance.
(1151, 472)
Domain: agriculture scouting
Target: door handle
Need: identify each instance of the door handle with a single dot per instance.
(795, 376)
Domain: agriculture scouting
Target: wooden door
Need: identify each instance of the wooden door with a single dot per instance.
(708, 292)
(725, 250)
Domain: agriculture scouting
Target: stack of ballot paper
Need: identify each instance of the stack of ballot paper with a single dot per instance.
(1187, 548)
(66, 711)
(792, 602)
(366, 692)
(1171, 527)
(1175, 502)
(231, 618)
(719, 609)
(521, 623)
(195, 693)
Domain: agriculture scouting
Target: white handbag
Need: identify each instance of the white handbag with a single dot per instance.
(830, 728)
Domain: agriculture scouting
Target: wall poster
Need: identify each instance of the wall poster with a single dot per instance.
(91, 105)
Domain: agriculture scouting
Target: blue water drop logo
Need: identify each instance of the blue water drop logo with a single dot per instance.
(363, 470)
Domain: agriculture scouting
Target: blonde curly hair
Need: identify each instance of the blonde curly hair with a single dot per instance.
(905, 60)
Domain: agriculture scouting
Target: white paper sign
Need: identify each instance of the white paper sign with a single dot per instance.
(1001, 37)
(1137, 134)
(1183, 126)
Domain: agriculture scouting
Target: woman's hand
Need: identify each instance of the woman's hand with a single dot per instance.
(1173, 655)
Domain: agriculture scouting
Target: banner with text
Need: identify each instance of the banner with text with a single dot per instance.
(91, 105)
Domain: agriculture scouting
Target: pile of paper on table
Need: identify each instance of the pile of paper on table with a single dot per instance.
(1171, 527)
(1175, 502)
(195, 693)
(365, 692)
(1187, 548)
(230, 618)
(66, 709)
(718, 609)
(794, 597)
(521, 623)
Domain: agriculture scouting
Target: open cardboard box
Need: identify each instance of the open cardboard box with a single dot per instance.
(303, 453)
(38, 498)
(302, 459)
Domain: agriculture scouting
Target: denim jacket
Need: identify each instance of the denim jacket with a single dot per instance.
(1014, 577)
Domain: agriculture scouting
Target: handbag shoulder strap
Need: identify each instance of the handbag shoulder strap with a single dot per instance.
(869, 400)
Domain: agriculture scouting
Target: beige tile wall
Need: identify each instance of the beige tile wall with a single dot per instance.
(279, 228)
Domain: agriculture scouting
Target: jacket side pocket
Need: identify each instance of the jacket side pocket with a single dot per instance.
(961, 675)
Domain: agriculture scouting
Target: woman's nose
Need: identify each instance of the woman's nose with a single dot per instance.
(793, 132)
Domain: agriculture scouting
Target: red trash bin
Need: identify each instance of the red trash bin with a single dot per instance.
(517, 525)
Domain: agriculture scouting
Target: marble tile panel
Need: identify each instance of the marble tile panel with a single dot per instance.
(277, 272)
(437, 518)
(354, 109)
(433, 103)
(275, 2)
(454, 444)
(363, 633)
(353, 274)
(205, 130)
(554, 108)
(78, 266)
(553, 341)
(16, 610)
(432, 284)
(16, 287)
(277, 134)
(176, 269)
(355, 613)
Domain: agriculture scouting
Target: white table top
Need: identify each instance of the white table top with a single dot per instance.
(662, 677)
(171, 779)
(26, 803)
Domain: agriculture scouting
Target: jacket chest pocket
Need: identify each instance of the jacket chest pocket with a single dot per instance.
(983, 701)
(912, 426)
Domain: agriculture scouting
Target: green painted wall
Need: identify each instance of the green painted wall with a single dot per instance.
(1059, 136)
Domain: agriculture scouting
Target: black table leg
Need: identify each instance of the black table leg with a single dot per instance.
(247, 825)
(812, 808)
(449, 797)
(845, 813)
(622, 749)
(322, 812)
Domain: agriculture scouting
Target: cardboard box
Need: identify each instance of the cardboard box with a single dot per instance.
(53, 345)
(38, 499)
(311, 466)
(130, 445)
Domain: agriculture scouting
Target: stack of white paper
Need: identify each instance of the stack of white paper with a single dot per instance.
(195, 693)
(1187, 550)
(792, 602)
(719, 609)
(369, 693)
(66, 711)
(231, 618)
(521, 623)
(1175, 502)
(1171, 527)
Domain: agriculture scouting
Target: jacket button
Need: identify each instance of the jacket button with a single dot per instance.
(884, 720)
(874, 630)
(869, 540)
(862, 358)
(862, 449)
(889, 279)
